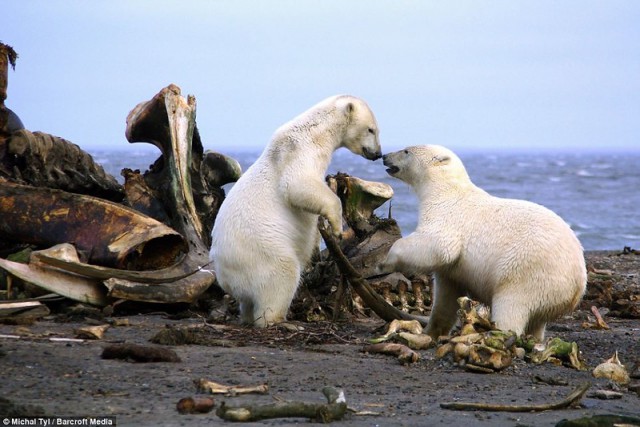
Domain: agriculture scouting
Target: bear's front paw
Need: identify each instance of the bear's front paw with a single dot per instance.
(383, 268)
(336, 228)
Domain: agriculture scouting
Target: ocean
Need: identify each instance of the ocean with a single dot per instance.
(597, 194)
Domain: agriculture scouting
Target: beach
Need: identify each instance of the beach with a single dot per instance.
(69, 378)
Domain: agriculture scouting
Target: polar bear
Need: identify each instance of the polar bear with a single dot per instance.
(518, 257)
(266, 230)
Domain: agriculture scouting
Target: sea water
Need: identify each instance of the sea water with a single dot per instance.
(595, 193)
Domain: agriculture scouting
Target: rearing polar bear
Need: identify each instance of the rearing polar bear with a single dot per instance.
(516, 256)
(266, 229)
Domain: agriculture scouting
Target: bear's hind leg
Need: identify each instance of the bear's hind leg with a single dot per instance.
(537, 330)
(510, 313)
(445, 308)
(246, 311)
(273, 298)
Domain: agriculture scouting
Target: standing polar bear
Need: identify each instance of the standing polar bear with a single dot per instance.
(516, 256)
(266, 229)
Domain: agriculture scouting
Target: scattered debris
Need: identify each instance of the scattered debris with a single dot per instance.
(404, 354)
(599, 322)
(412, 326)
(487, 352)
(479, 347)
(607, 288)
(635, 371)
(195, 405)
(22, 312)
(550, 380)
(119, 322)
(333, 410)
(475, 317)
(9, 408)
(91, 332)
(415, 341)
(52, 339)
(573, 399)
(228, 335)
(198, 335)
(612, 369)
(207, 386)
(140, 353)
(414, 338)
(605, 394)
(563, 352)
(601, 420)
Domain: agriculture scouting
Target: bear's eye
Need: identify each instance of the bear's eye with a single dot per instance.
(406, 151)
(372, 131)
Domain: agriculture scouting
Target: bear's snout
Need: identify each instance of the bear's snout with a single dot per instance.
(371, 155)
(392, 169)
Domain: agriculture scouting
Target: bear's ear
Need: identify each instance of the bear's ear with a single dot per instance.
(442, 159)
(348, 109)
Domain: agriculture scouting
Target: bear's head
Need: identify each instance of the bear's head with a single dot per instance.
(361, 133)
(422, 165)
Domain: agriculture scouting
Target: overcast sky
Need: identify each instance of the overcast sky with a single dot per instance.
(483, 75)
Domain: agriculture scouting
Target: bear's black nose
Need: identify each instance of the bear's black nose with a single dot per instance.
(371, 155)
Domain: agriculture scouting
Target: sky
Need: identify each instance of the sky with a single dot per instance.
(471, 75)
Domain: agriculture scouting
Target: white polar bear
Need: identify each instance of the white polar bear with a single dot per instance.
(516, 256)
(266, 230)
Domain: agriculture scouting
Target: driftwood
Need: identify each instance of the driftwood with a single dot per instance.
(195, 405)
(571, 400)
(213, 387)
(333, 410)
(140, 353)
(404, 354)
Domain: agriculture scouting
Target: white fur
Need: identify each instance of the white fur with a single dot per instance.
(516, 256)
(266, 229)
